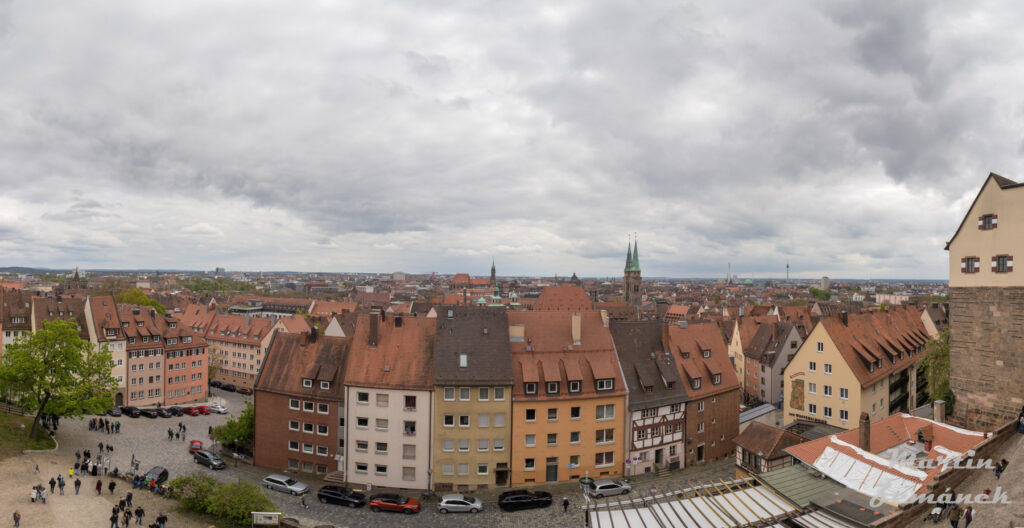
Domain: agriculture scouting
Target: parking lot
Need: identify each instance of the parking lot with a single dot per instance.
(146, 440)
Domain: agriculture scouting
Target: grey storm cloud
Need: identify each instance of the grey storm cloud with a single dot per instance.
(846, 138)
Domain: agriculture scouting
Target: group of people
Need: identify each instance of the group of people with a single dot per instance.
(177, 435)
(84, 462)
(102, 424)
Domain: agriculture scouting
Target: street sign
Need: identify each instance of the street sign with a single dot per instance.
(266, 518)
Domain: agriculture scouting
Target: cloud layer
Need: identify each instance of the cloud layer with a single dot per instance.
(845, 138)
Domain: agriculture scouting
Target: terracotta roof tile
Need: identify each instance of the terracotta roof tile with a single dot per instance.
(403, 357)
(292, 357)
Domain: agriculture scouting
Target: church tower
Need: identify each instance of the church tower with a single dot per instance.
(631, 276)
(494, 279)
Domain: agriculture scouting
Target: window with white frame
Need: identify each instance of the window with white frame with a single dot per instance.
(325, 385)
(828, 368)
(844, 394)
(448, 444)
(844, 415)
(812, 388)
(812, 408)
(293, 404)
(812, 366)
(530, 388)
(449, 394)
(605, 384)
(499, 444)
(499, 420)
(827, 412)
(606, 412)
(821, 346)
(484, 394)
(499, 394)
(307, 383)
(574, 386)
(530, 440)
(552, 387)
(464, 394)
(482, 444)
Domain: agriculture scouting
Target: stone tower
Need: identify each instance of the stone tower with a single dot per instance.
(631, 276)
(494, 279)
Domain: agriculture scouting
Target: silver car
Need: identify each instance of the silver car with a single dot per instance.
(285, 484)
(219, 409)
(457, 502)
(605, 487)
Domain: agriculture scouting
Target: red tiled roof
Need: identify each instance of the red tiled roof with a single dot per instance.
(564, 297)
(403, 357)
(688, 345)
(878, 335)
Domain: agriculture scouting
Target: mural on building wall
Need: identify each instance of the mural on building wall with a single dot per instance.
(796, 395)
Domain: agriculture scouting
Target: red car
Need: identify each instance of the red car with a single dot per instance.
(393, 502)
(203, 409)
(195, 445)
(192, 411)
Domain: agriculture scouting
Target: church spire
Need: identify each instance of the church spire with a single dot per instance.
(636, 257)
(629, 255)
(494, 281)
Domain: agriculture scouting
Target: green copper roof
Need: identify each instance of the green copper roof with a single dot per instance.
(632, 258)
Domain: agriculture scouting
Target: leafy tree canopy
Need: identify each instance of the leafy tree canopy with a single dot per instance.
(824, 295)
(239, 430)
(135, 296)
(936, 366)
(54, 371)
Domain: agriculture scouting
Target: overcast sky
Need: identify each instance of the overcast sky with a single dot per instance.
(846, 138)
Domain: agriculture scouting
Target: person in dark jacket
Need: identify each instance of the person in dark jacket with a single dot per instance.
(111, 486)
(139, 514)
(53, 483)
(99, 487)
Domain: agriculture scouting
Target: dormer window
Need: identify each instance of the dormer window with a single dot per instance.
(140, 323)
(716, 379)
(186, 340)
(695, 384)
(606, 384)
(172, 324)
(574, 386)
(686, 355)
(989, 221)
(552, 387)
(530, 388)
(145, 339)
(156, 339)
(124, 324)
(131, 340)
(705, 353)
(463, 360)
(325, 385)
(111, 332)
(307, 383)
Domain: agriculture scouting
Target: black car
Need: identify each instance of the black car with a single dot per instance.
(523, 500)
(227, 387)
(148, 413)
(115, 412)
(216, 384)
(163, 413)
(208, 459)
(175, 411)
(341, 495)
(131, 411)
(158, 473)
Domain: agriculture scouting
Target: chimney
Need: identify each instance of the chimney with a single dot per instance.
(577, 322)
(846, 318)
(939, 411)
(374, 327)
(865, 432)
(313, 334)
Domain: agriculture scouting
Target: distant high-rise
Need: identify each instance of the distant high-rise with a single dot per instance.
(826, 284)
(631, 279)
(494, 280)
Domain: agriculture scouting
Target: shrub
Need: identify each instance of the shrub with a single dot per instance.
(235, 502)
(194, 491)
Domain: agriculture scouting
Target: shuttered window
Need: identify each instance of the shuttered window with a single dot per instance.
(989, 221)
(970, 265)
(1002, 263)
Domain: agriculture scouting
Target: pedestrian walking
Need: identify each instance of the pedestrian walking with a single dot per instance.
(127, 518)
(117, 427)
(110, 448)
(170, 434)
(968, 516)
(183, 429)
(99, 487)
(111, 486)
(78, 485)
(954, 516)
(210, 430)
(78, 455)
(17, 518)
(128, 499)
(113, 521)
(42, 495)
(139, 514)
(304, 502)
(180, 425)
(61, 486)
(53, 483)
(71, 472)
(121, 503)
(1000, 467)
(161, 520)
(177, 436)
(100, 445)
(565, 504)
(37, 468)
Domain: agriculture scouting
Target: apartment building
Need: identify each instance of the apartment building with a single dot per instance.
(863, 362)
(104, 328)
(389, 389)
(16, 316)
(712, 389)
(157, 349)
(766, 356)
(657, 397)
(743, 330)
(569, 397)
(237, 343)
(472, 399)
(300, 394)
(985, 337)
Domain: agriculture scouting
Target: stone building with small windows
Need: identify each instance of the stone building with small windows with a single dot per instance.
(300, 401)
(986, 307)
(472, 399)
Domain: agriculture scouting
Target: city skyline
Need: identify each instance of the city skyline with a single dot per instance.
(849, 139)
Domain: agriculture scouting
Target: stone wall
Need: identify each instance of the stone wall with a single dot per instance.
(986, 355)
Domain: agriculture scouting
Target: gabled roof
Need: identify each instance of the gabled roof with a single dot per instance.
(768, 343)
(479, 333)
(647, 364)
(869, 337)
(293, 357)
(766, 441)
(564, 297)
(403, 357)
(688, 344)
(1003, 183)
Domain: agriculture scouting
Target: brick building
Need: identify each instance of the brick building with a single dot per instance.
(986, 307)
(300, 395)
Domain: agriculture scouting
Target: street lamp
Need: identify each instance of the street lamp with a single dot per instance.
(23, 439)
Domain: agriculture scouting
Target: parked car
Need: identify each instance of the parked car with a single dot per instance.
(244, 390)
(523, 500)
(115, 412)
(457, 502)
(341, 495)
(163, 413)
(215, 383)
(393, 502)
(195, 445)
(191, 411)
(175, 411)
(130, 411)
(605, 487)
(219, 409)
(285, 484)
(227, 387)
(203, 409)
(208, 459)
(148, 413)
(158, 473)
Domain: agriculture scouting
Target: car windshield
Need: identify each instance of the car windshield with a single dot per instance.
(467, 498)
(290, 482)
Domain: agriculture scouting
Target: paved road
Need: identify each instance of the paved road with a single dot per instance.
(146, 439)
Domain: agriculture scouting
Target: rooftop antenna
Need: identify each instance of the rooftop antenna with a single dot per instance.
(787, 271)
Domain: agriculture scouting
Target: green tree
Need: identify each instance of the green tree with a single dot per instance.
(237, 431)
(135, 296)
(235, 502)
(54, 371)
(194, 490)
(936, 368)
(824, 295)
